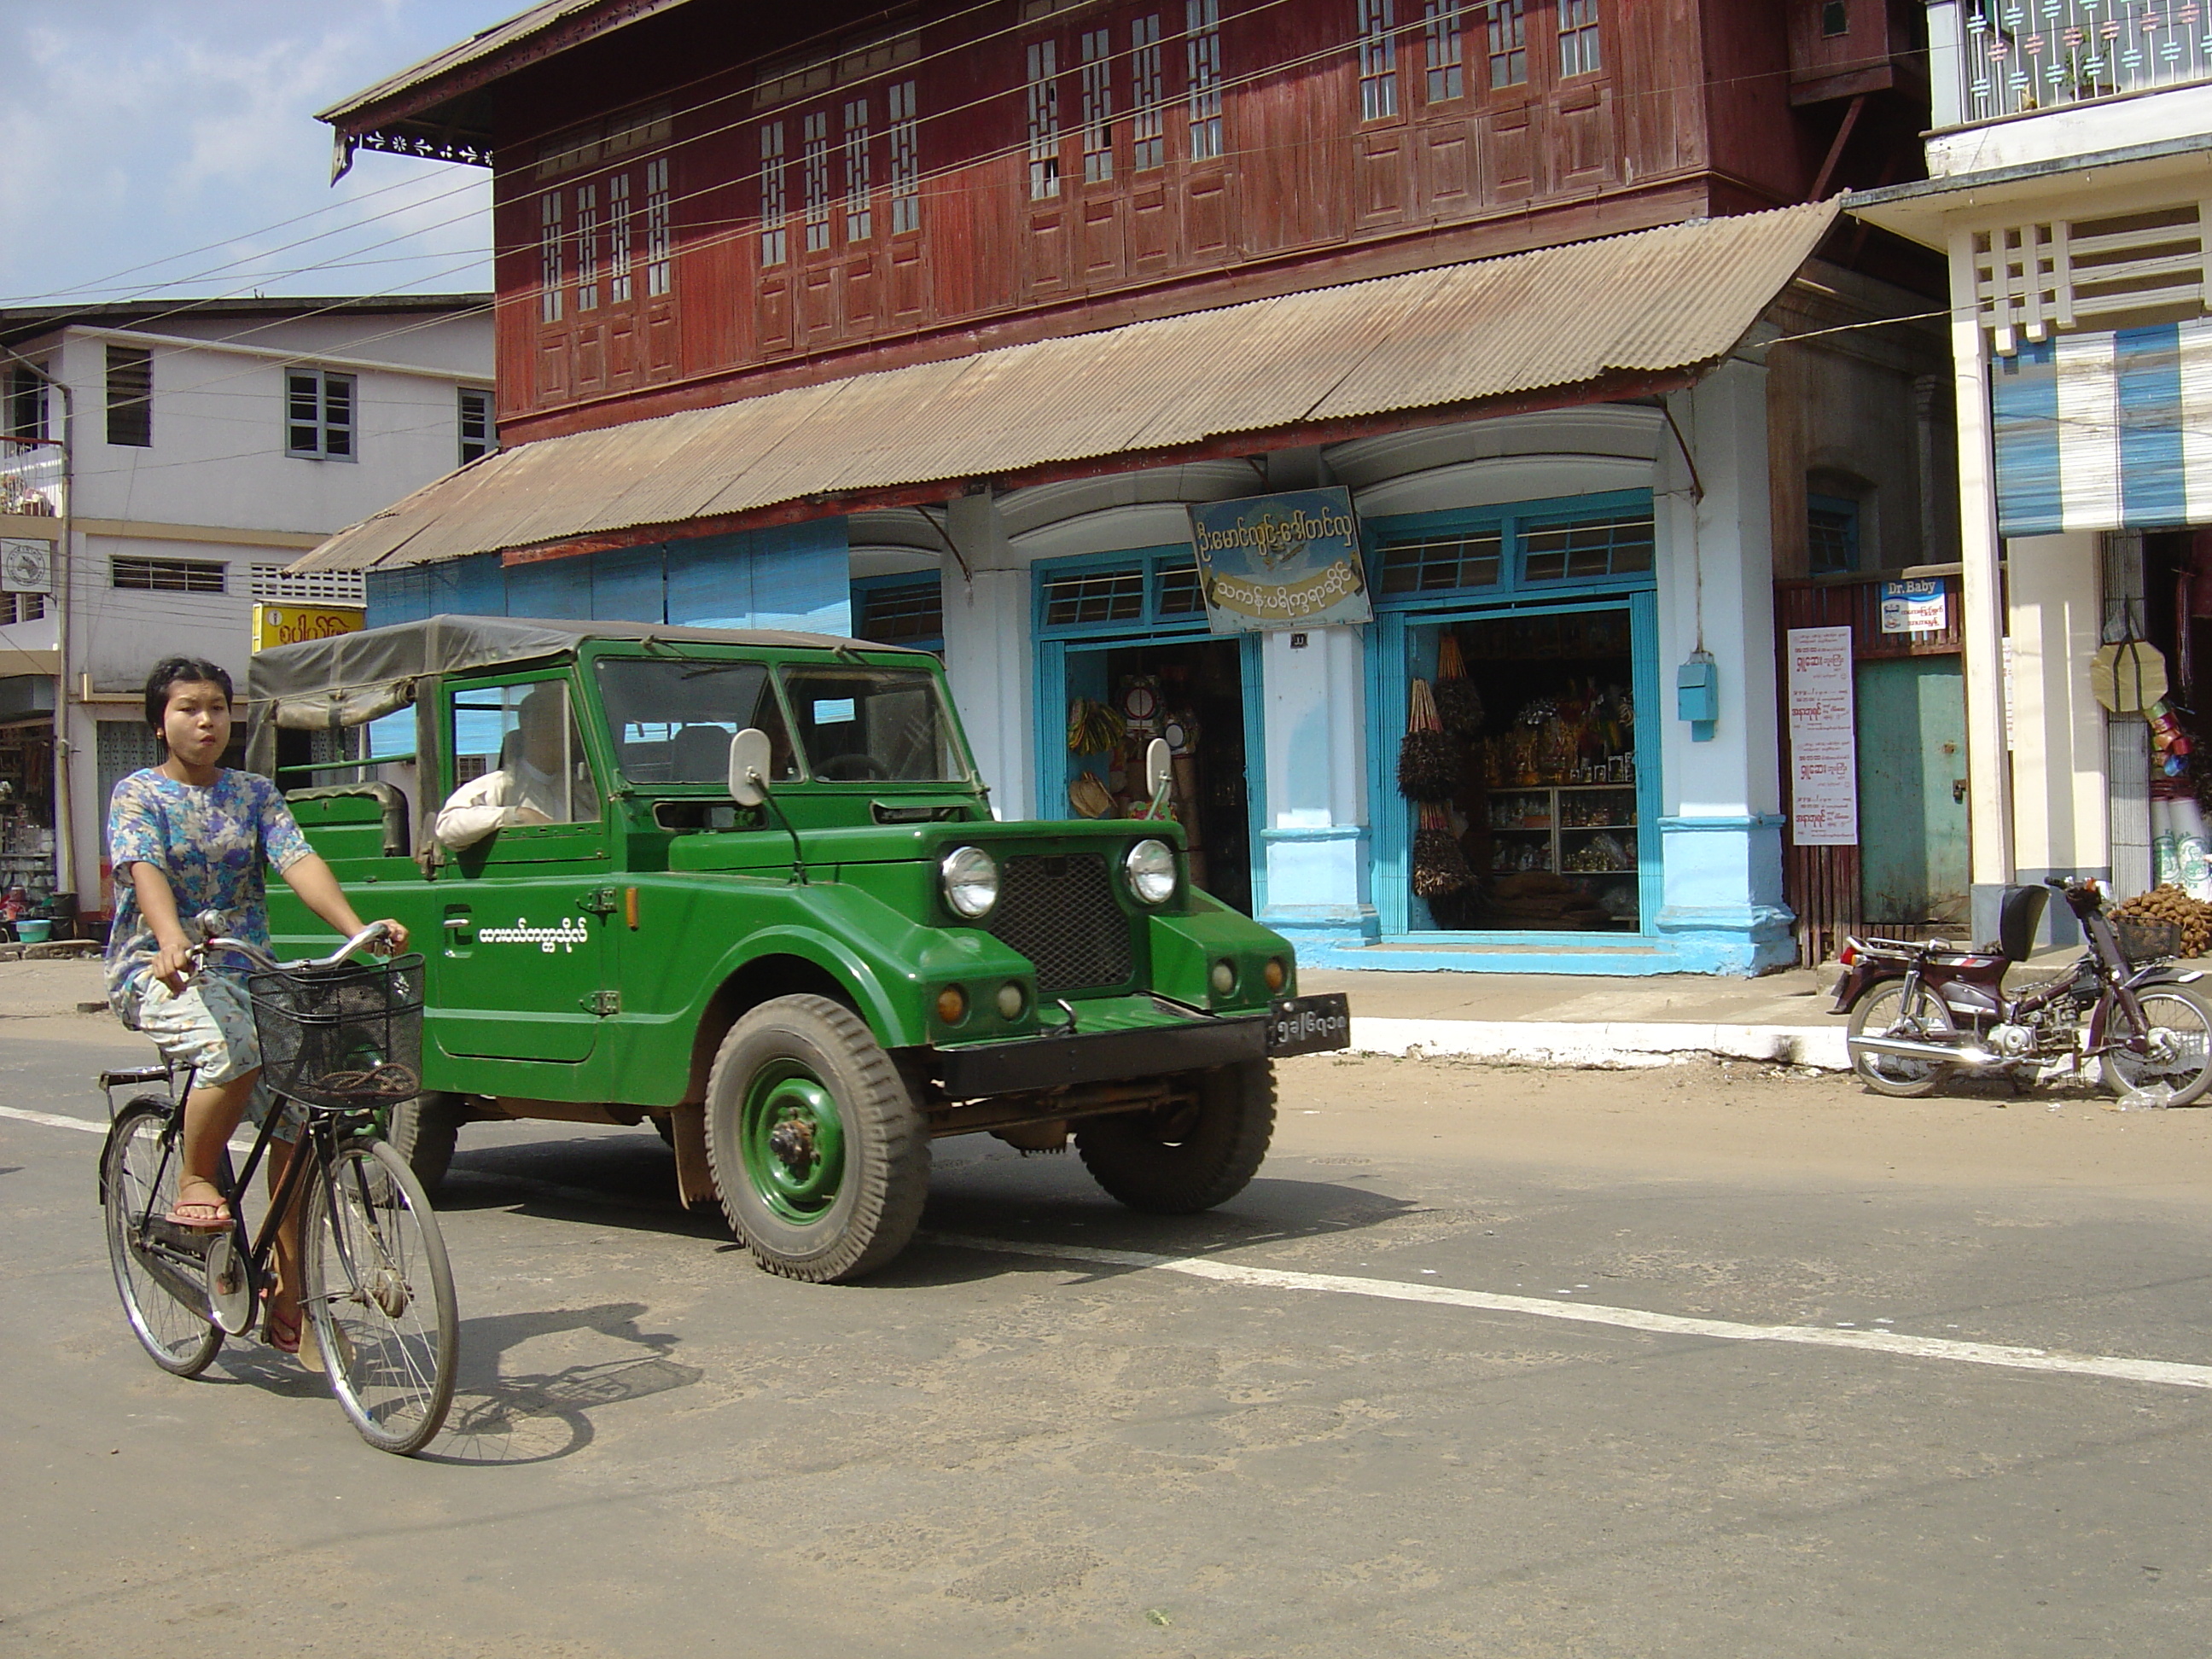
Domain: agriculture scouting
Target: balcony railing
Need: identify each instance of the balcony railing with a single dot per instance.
(2019, 55)
(30, 478)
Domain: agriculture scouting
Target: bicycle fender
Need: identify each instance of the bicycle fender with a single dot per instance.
(107, 1144)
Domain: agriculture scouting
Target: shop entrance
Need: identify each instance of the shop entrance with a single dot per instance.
(1532, 808)
(1117, 696)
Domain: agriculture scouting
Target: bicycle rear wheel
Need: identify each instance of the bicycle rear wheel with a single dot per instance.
(380, 1292)
(138, 1180)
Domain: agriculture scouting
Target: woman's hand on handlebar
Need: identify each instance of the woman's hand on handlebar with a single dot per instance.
(176, 963)
(394, 939)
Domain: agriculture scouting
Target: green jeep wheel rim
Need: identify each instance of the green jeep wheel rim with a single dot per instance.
(794, 1141)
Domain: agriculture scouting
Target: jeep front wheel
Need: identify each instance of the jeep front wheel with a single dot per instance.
(819, 1153)
(1187, 1156)
(424, 1131)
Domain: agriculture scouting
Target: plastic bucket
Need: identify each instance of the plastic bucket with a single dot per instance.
(34, 930)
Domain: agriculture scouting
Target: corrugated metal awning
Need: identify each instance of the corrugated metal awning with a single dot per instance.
(1576, 320)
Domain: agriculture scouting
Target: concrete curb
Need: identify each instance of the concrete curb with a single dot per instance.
(1619, 1046)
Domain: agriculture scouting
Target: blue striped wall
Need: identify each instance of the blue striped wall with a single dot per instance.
(795, 576)
(2104, 431)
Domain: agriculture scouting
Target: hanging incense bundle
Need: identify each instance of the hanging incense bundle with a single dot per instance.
(1429, 763)
(1459, 705)
(1439, 866)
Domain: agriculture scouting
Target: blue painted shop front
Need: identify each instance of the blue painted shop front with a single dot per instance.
(1551, 608)
(1127, 632)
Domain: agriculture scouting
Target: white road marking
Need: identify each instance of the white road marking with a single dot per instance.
(91, 1126)
(2173, 1373)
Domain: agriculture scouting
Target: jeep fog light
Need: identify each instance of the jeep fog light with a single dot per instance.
(970, 879)
(1149, 868)
(1274, 973)
(1223, 979)
(951, 1006)
(1011, 999)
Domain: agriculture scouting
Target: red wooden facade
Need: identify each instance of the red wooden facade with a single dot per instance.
(721, 199)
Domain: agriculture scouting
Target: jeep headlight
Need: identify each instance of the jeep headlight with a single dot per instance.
(969, 877)
(1150, 869)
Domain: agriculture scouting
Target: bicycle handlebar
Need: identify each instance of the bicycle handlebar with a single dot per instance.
(261, 958)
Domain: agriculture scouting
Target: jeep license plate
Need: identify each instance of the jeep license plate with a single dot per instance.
(1309, 1025)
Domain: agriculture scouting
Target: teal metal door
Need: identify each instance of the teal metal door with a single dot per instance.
(1912, 792)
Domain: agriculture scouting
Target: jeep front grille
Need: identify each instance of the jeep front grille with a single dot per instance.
(1059, 911)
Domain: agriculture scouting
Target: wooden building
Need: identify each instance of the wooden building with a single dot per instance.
(700, 205)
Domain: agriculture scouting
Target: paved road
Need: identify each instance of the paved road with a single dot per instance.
(661, 1450)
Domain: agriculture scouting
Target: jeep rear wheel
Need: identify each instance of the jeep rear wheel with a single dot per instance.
(1182, 1158)
(819, 1153)
(424, 1131)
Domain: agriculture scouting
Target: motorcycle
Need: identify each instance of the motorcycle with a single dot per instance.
(1922, 1012)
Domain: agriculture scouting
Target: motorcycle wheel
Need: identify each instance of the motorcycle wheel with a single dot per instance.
(2179, 1034)
(1881, 1012)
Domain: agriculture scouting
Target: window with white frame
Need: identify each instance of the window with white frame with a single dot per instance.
(1147, 95)
(130, 396)
(1044, 118)
(587, 247)
(775, 249)
(1378, 60)
(1577, 37)
(814, 178)
(618, 230)
(479, 430)
(859, 187)
(1203, 49)
(550, 272)
(1440, 30)
(906, 161)
(21, 608)
(1507, 29)
(1098, 106)
(319, 414)
(659, 271)
(165, 575)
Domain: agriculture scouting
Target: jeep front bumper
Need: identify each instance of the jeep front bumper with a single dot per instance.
(1294, 1026)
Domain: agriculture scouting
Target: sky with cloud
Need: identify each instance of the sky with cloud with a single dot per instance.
(170, 147)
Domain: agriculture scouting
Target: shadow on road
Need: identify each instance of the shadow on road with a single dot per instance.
(537, 1417)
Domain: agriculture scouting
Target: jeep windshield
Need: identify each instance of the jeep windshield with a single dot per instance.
(672, 720)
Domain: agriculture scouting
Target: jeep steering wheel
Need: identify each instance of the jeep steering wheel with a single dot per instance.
(853, 767)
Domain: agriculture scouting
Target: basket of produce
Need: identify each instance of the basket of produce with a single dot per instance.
(2143, 918)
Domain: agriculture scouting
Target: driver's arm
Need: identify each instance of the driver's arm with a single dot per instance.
(474, 810)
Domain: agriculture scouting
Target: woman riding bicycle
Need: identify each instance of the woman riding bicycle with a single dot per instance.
(187, 837)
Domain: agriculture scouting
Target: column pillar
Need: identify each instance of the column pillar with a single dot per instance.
(1721, 827)
(1981, 603)
(1316, 834)
(2060, 822)
(989, 657)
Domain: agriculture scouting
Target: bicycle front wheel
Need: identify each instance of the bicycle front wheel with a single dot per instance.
(162, 1288)
(380, 1293)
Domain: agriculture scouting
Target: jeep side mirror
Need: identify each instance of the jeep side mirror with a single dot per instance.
(1159, 769)
(750, 761)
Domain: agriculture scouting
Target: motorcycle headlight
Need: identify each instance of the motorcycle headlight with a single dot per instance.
(969, 877)
(1151, 872)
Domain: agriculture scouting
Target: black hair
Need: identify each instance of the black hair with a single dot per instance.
(172, 671)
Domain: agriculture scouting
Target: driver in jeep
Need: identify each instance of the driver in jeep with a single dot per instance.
(531, 785)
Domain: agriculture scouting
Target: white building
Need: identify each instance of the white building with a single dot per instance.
(2067, 165)
(162, 463)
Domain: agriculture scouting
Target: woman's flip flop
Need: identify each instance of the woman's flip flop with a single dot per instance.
(199, 1215)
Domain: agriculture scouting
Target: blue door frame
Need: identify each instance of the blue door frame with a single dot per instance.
(1065, 651)
(1391, 667)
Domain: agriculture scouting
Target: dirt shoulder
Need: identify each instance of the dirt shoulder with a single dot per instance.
(1709, 1119)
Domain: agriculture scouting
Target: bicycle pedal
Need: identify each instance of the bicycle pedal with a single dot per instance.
(192, 1241)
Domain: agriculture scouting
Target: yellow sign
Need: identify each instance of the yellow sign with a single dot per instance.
(288, 625)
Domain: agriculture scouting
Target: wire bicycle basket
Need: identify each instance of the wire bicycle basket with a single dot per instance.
(348, 1038)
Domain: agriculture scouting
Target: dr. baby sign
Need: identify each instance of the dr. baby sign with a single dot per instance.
(1286, 560)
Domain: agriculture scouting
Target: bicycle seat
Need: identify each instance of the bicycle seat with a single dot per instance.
(133, 1074)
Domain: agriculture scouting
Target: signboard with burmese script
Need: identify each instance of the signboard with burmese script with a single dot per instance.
(290, 624)
(1286, 560)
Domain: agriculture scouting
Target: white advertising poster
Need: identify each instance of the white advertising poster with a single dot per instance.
(1824, 771)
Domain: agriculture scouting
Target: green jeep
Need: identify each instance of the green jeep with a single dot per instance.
(748, 885)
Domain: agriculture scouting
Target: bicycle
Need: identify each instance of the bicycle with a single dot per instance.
(342, 1041)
